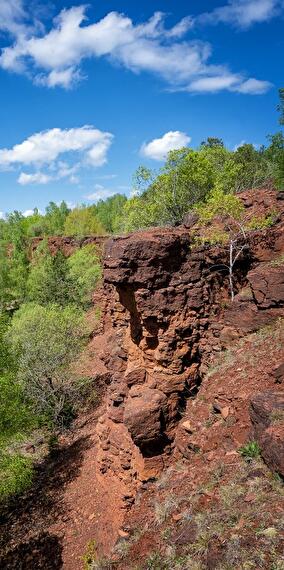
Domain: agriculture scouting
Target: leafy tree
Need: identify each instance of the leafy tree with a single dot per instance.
(109, 212)
(45, 341)
(281, 105)
(82, 222)
(85, 270)
(212, 142)
(55, 218)
(186, 178)
(48, 280)
(254, 167)
(275, 156)
(220, 204)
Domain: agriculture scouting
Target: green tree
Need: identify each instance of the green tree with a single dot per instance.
(109, 212)
(82, 222)
(274, 154)
(85, 270)
(48, 280)
(55, 218)
(186, 178)
(212, 142)
(281, 106)
(45, 341)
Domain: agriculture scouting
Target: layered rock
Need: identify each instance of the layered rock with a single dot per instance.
(170, 312)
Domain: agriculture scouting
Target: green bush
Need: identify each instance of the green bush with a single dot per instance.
(16, 474)
(48, 280)
(82, 222)
(250, 450)
(220, 204)
(85, 270)
(44, 342)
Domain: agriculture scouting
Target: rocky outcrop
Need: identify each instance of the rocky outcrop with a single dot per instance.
(170, 311)
(67, 245)
(267, 416)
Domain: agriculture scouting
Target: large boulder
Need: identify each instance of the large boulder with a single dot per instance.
(144, 416)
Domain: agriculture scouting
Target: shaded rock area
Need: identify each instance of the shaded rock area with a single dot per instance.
(267, 416)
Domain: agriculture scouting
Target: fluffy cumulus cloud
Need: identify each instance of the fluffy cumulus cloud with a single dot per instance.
(45, 148)
(54, 58)
(243, 13)
(100, 193)
(158, 149)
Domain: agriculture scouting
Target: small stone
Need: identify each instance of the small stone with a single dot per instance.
(187, 426)
(225, 412)
(249, 498)
(92, 516)
(211, 456)
(123, 534)
(177, 517)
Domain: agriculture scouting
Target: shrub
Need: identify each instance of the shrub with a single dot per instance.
(250, 450)
(220, 204)
(48, 278)
(85, 271)
(16, 474)
(45, 341)
(261, 222)
(82, 222)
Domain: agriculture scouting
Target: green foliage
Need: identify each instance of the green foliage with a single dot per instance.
(220, 204)
(85, 271)
(281, 106)
(44, 342)
(250, 450)
(109, 212)
(48, 280)
(186, 178)
(275, 155)
(212, 142)
(16, 474)
(261, 222)
(55, 218)
(82, 222)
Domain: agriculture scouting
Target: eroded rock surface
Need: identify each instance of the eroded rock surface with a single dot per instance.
(267, 416)
(171, 313)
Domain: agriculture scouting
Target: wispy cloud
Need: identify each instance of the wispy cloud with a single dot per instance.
(55, 58)
(157, 149)
(242, 13)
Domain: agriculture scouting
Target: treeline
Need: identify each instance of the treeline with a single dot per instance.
(164, 197)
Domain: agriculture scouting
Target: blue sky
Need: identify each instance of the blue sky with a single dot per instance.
(88, 93)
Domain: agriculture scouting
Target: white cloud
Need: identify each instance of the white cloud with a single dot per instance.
(158, 149)
(243, 13)
(28, 213)
(35, 178)
(12, 17)
(229, 82)
(253, 86)
(100, 193)
(45, 147)
(2, 216)
(54, 58)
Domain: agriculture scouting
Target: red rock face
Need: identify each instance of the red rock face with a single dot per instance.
(67, 245)
(171, 313)
(267, 416)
